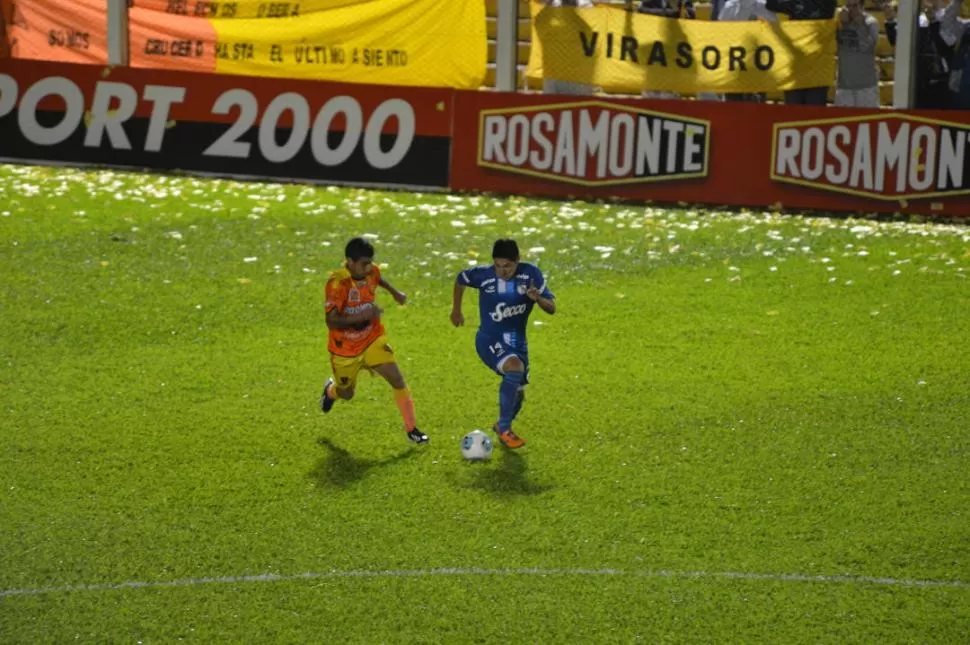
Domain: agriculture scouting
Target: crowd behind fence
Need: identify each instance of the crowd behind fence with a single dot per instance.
(866, 56)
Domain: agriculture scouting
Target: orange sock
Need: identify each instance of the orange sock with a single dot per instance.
(332, 392)
(406, 405)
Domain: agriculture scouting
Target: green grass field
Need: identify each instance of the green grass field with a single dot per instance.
(742, 427)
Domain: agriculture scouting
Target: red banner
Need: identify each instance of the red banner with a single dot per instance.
(49, 30)
(741, 154)
(6, 26)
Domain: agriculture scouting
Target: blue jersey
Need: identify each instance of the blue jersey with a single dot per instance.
(502, 304)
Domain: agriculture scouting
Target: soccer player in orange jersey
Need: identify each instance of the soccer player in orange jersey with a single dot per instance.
(357, 337)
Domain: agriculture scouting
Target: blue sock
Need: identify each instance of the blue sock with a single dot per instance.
(519, 400)
(508, 394)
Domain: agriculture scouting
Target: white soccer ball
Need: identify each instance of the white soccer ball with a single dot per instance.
(476, 446)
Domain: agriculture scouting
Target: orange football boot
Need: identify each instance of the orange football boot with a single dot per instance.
(509, 439)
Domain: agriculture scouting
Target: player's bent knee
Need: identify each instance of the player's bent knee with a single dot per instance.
(396, 379)
(513, 364)
(392, 374)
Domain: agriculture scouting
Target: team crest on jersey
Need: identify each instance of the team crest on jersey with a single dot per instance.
(353, 295)
(520, 289)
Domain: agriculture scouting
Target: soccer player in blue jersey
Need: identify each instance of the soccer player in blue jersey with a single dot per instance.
(507, 291)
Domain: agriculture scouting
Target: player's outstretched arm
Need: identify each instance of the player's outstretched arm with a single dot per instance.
(399, 296)
(457, 318)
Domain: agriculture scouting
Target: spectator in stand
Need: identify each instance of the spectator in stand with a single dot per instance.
(739, 10)
(716, 7)
(805, 10)
(958, 29)
(554, 86)
(668, 8)
(932, 66)
(665, 9)
(858, 77)
(933, 11)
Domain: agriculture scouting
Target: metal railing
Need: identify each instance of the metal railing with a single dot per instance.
(510, 37)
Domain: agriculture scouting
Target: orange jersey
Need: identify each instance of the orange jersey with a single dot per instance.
(348, 296)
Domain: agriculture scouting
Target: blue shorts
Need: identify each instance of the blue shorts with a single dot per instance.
(494, 352)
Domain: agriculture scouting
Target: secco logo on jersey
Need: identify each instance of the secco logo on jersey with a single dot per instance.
(882, 157)
(502, 312)
(593, 143)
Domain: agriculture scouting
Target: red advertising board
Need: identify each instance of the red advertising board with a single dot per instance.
(228, 125)
(742, 154)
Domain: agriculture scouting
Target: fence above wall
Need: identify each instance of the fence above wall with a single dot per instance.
(496, 36)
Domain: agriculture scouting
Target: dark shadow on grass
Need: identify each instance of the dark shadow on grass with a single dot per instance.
(507, 477)
(339, 468)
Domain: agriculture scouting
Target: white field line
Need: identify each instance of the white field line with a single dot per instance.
(422, 573)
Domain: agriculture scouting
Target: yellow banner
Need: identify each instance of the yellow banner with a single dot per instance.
(437, 43)
(625, 52)
(243, 8)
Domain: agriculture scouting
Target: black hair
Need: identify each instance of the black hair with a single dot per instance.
(358, 248)
(506, 249)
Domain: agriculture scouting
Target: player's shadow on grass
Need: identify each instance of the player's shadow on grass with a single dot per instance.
(340, 469)
(507, 477)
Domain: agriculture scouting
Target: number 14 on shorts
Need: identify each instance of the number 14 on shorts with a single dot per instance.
(496, 349)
